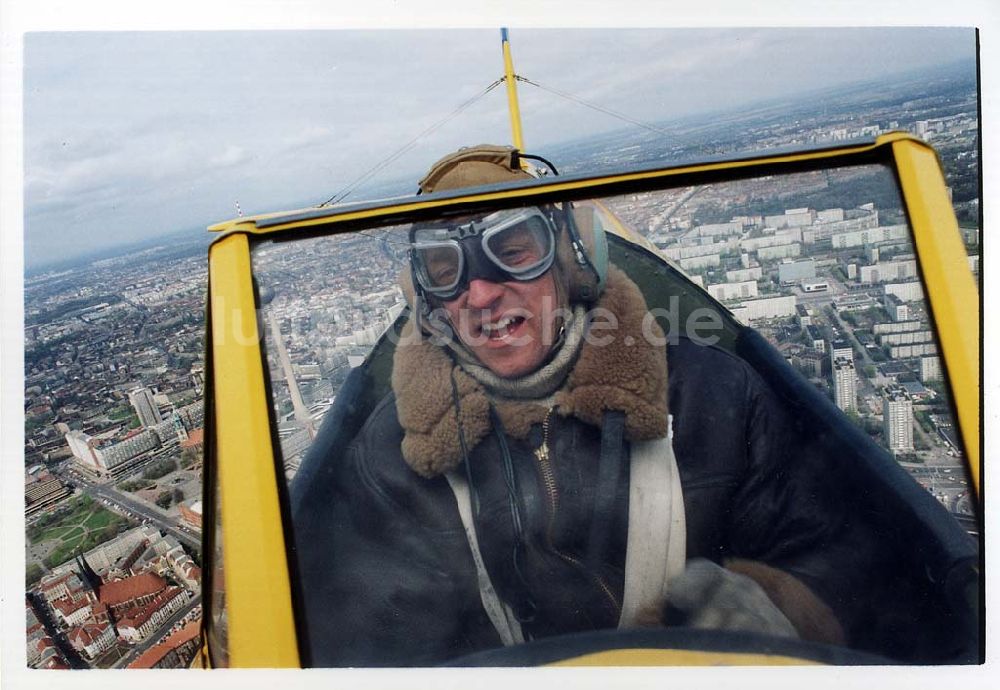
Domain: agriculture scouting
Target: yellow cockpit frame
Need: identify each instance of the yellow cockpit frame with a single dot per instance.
(240, 464)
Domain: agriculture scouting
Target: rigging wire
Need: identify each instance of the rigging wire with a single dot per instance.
(346, 191)
(606, 111)
(385, 238)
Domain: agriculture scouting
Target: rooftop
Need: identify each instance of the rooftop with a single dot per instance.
(135, 617)
(124, 591)
(195, 438)
(154, 654)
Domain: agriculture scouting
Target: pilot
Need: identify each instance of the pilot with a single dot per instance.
(548, 461)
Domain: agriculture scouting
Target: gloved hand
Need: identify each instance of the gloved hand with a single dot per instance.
(708, 596)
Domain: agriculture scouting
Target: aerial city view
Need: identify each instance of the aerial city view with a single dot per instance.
(820, 263)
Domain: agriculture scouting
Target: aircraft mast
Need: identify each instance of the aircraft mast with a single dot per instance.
(514, 109)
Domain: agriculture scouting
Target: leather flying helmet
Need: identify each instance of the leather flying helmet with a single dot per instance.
(581, 252)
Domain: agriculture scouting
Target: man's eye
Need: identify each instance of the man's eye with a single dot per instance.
(444, 274)
(511, 254)
(517, 254)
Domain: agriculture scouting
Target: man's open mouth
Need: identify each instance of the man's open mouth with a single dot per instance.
(503, 328)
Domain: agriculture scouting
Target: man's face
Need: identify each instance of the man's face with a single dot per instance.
(509, 326)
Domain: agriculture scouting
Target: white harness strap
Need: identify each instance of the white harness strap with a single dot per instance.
(657, 536)
(657, 533)
(499, 613)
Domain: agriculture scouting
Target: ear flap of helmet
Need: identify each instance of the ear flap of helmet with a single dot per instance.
(584, 282)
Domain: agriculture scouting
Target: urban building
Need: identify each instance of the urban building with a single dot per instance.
(191, 416)
(888, 271)
(42, 490)
(191, 513)
(47, 655)
(145, 406)
(974, 264)
(859, 238)
(910, 291)
(116, 457)
(678, 252)
(790, 272)
(897, 327)
(765, 308)
(905, 338)
(136, 623)
(930, 368)
(176, 651)
(897, 415)
(811, 363)
(781, 251)
(915, 350)
(129, 592)
(92, 639)
(696, 263)
(35, 633)
(740, 275)
(713, 229)
(897, 308)
(816, 339)
(730, 291)
(845, 384)
(56, 586)
(841, 349)
(83, 448)
(785, 236)
(793, 217)
(830, 215)
(103, 556)
(804, 315)
(862, 218)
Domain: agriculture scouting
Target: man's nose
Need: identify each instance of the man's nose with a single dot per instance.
(483, 293)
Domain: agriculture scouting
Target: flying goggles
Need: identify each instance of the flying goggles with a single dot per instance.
(514, 244)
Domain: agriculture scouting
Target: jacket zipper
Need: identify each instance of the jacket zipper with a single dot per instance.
(548, 478)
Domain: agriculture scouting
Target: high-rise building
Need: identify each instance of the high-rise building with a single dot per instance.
(930, 368)
(897, 416)
(845, 384)
(83, 448)
(816, 337)
(840, 349)
(142, 400)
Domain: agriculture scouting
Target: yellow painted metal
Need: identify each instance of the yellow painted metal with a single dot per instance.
(261, 631)
(681, 657)
(951, 289)
(512, 105)
(841, 155)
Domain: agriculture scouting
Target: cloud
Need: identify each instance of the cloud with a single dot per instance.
(307, 136)
(233, 155)
(117, 124)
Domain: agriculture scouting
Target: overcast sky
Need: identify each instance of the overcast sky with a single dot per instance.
(135, 134)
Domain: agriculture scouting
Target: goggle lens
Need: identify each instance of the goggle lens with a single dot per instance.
(517, 245)
(521, 247)
(441, 265)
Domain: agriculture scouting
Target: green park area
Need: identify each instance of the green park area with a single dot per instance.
(79, 526)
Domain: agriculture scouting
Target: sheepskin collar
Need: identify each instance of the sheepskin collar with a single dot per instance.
(617, 369)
